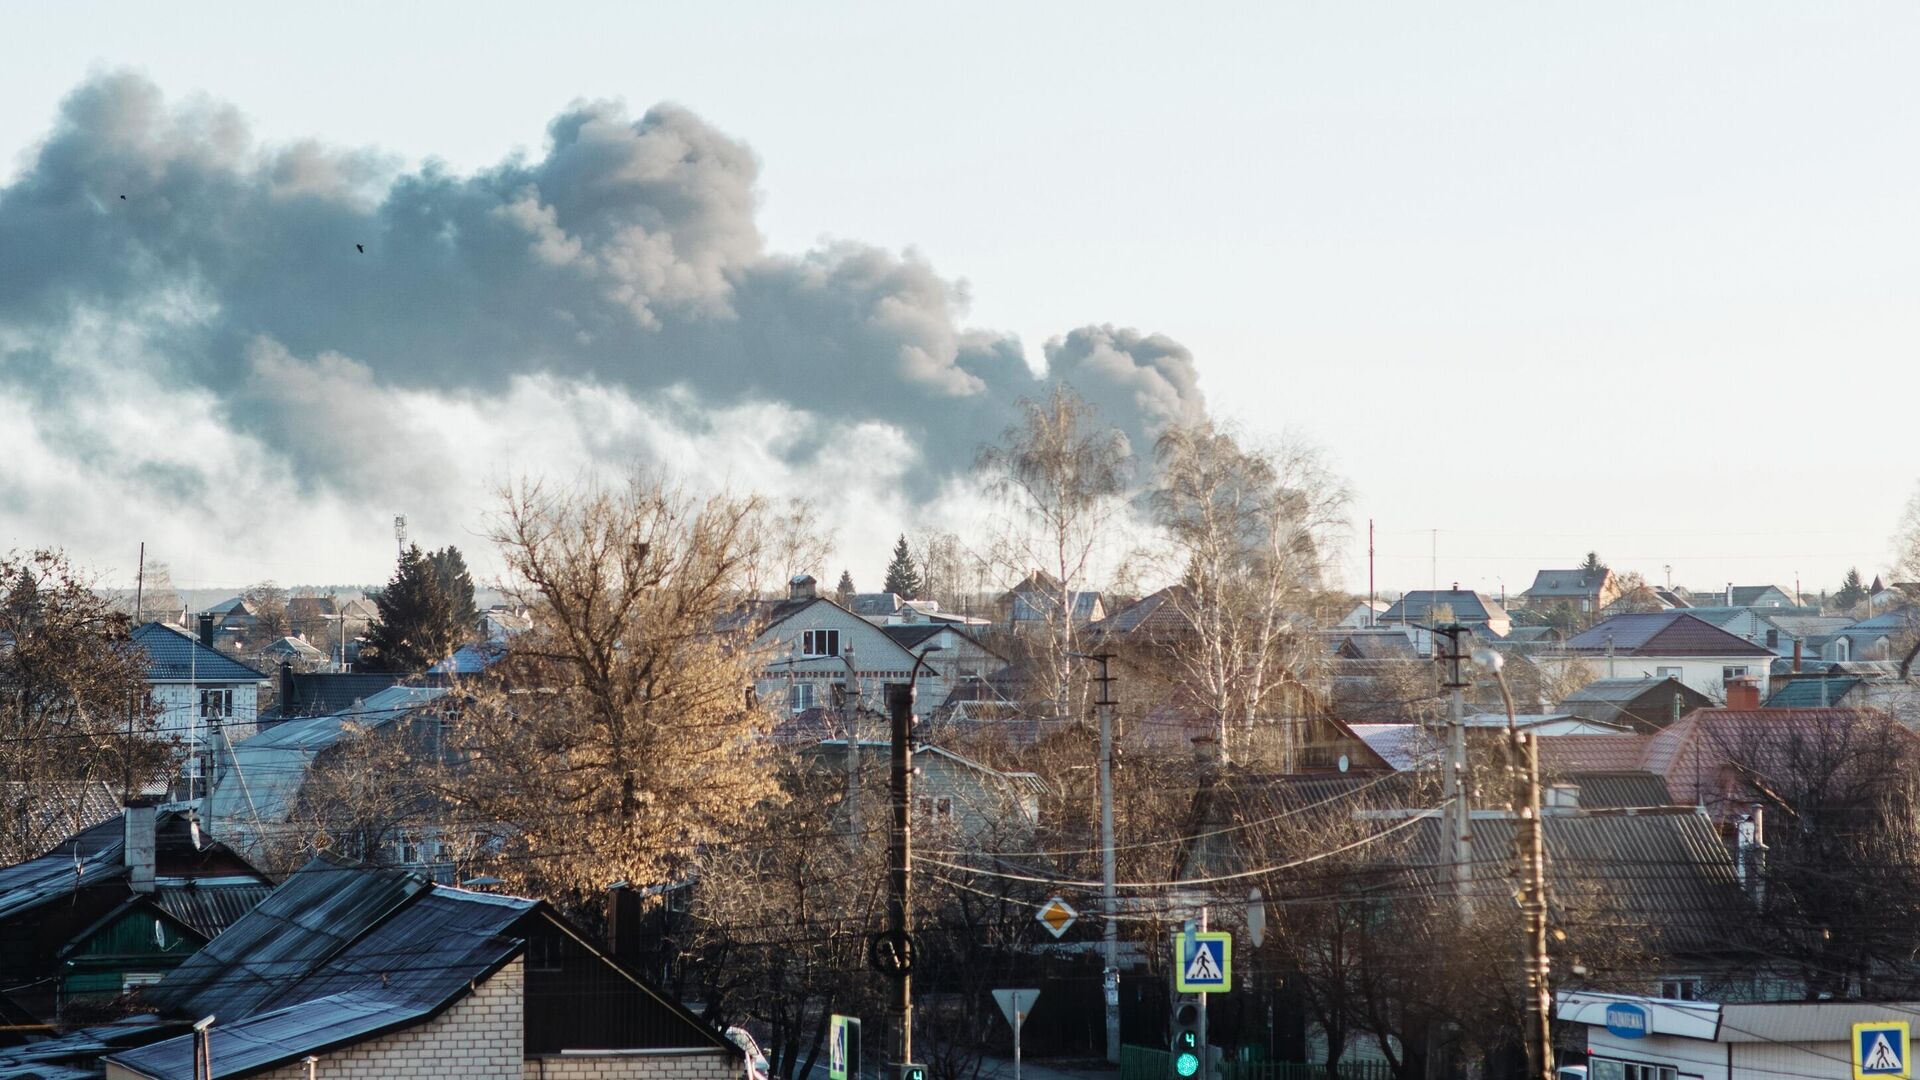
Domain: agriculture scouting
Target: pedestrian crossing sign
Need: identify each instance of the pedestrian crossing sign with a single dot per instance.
(1880, 1050)
(1203, 963)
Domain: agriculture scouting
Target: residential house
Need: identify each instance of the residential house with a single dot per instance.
(348, 971)
(320, 693)
(1035, 604)
(205, 698)
(1663, 644)
(257, 783)
(817, 652)
(113, 907)
(1641, 704)
(953, 795)
(1746, 596)
(1582, 592)
(1432, 607)
(1696, 754)
(1366, 613)
(292, 651)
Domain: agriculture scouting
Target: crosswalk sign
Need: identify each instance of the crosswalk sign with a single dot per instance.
(1880, 1050)
(1203, 962)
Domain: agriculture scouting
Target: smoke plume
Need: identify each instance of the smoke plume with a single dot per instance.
(215, 338)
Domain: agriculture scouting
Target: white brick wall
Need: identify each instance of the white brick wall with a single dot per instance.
(480, 1036)
(709, 1065)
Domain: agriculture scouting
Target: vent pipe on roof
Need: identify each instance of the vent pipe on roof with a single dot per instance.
(1796, 656)
(206, 629)
(137, 851)
(1729, 594)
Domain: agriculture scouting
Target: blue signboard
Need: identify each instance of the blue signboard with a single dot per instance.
(1880, 1051)
(1628, 1021)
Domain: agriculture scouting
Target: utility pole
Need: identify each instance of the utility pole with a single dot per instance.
(900, 857)
(1371, 595)
(1531, 850)
(140, 585)
(1530, 855)
(852, 718)
(1453, 776)
(1110, 931)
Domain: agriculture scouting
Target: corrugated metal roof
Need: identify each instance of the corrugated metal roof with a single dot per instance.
(1818, 692)
(1467, 606)
(173, 655)
(1402, 746)
(310, 917)
(1660, 633)
(1579, 753)
(210, 909)
(1619, 789)
(1159, 613)
(54, 876)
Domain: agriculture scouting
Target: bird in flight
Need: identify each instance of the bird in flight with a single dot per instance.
(361, 248)
(123, 198)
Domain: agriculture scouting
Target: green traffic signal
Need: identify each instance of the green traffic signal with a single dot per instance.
(1186, 1063)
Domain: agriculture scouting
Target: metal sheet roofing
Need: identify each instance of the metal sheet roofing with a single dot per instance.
(1818, 692)
(1548, 584)
(1660, 633)
(1467, 606)
(210, 909)
(174, 655)
(310, 917)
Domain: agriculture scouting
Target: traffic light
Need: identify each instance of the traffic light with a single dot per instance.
(912, 1072)
(1185, 1049)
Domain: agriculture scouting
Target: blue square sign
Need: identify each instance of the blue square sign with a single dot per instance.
(1880, 1050)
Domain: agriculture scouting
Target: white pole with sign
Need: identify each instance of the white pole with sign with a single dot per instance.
(1015, 1005)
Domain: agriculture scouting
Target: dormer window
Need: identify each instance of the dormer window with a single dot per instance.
(820, 643)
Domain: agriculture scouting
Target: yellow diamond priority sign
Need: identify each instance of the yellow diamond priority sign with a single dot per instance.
(1057, 915)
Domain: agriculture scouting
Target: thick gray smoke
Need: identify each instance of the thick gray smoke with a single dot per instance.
(624, 258)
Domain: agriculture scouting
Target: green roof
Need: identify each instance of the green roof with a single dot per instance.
(1807, 694)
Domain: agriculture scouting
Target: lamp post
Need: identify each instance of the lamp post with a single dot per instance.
(1531, 856)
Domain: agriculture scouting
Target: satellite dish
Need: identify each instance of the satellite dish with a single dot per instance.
(1343, 763)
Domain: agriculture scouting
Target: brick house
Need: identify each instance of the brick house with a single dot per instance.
(352, 971)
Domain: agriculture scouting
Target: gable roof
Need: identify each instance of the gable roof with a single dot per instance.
(1156, 615)
(342, 953)
(1467, 606)
(323, 692)
(1621, 701)
(1660, 633)
(174, 655)
(1570, 584)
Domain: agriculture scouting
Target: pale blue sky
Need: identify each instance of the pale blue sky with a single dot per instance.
(1544, 277)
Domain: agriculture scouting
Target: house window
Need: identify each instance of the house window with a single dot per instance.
(1733, 673)
(1605, 1069)
(544, 953)
(1773, 639)
(1680, 989)
(1842, 649)
(1667, 672)
(803, 696)
(820, 643)
(216, 704)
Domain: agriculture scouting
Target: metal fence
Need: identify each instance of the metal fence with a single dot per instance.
(1146, 1063)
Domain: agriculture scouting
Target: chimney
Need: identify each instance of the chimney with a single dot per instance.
(1743, 693)
(206, 629)
(138, 849)
(286, 688)
(1796, 656)
(802, 587)
(1729, 594)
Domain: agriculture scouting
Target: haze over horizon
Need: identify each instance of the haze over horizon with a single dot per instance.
(1545, 282)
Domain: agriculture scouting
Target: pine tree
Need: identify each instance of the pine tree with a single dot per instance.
(903, 576)
(1852, 591)
(450, 567)
(1593, 565)
(845, 590)
(416, 627)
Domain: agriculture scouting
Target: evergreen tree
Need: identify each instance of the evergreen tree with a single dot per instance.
(845, 590)
(450, 567)
(1593, 565)
(417, 625)
(903, 575)
(1852, 591)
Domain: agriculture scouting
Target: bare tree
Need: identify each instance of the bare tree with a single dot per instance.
(1250, 532)
(74, 709)
(623, 734)
(1063, 475)
(1906, 541)
(1635, 596)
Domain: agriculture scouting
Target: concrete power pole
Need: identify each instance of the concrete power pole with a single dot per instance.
(1457, 790)
(900, 713)
(1110, 931)
(1531, 850)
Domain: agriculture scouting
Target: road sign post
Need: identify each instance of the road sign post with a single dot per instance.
(1015, 1005)
(843, 1048)
(1203, 962)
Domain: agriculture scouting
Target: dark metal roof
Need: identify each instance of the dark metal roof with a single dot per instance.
(1417, 606)
(1548, 584)
(310, 917)
(51, 877)
(1661, 633)
(1156, 614)
(210, 909)
(324, 693)
(173, 655)
(1611, 789)
(910, 635)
